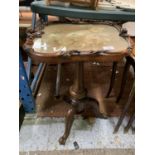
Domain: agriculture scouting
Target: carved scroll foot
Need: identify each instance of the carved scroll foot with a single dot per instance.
(91, 108)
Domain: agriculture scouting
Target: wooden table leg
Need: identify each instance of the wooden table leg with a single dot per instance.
(124, 79)
(80, 103)
(68, 125)
(132, 118)
(129, 61)
(77, 90)
(58, 80)
(125, 108)
(112, 81)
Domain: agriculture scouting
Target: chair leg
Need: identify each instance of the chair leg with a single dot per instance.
(21, 116)
(125, 108)
(112, 78)
(132, 118)
(58, 79)
(124, 79)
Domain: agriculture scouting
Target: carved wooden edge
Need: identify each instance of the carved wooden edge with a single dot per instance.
(69, 56)
(49, 58)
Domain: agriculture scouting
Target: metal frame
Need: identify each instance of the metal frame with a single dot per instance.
(25, 92)
(28, 71)
(28, 89)
(78, 12)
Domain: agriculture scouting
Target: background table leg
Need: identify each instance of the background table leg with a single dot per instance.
(124, 79)
(58, 80)
(132, 118)
(112, 81)
(125, 108)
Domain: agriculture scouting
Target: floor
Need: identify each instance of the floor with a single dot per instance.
(42, 134)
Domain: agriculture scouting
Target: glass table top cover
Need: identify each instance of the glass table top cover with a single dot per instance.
(58, 38)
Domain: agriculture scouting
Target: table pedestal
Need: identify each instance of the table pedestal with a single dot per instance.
(80, 103)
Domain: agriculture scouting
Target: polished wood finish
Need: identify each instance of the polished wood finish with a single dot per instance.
(75, 42)
(64, 43)
(80, 103)
(77, 90)
(68, 124)
(50, 59)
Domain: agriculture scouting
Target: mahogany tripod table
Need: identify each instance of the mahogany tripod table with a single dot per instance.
(77, 43)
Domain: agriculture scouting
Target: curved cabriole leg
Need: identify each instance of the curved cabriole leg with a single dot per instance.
(91, 107)
(81, 104)
(68, 125)
(112, 78)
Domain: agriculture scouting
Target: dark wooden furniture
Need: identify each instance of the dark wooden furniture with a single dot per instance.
(77, 97)
(117, 14)
(130, 61)
(127, 105)
(77, 43)
(128, 30)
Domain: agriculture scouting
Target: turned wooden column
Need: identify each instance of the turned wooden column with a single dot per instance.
(77, 90)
